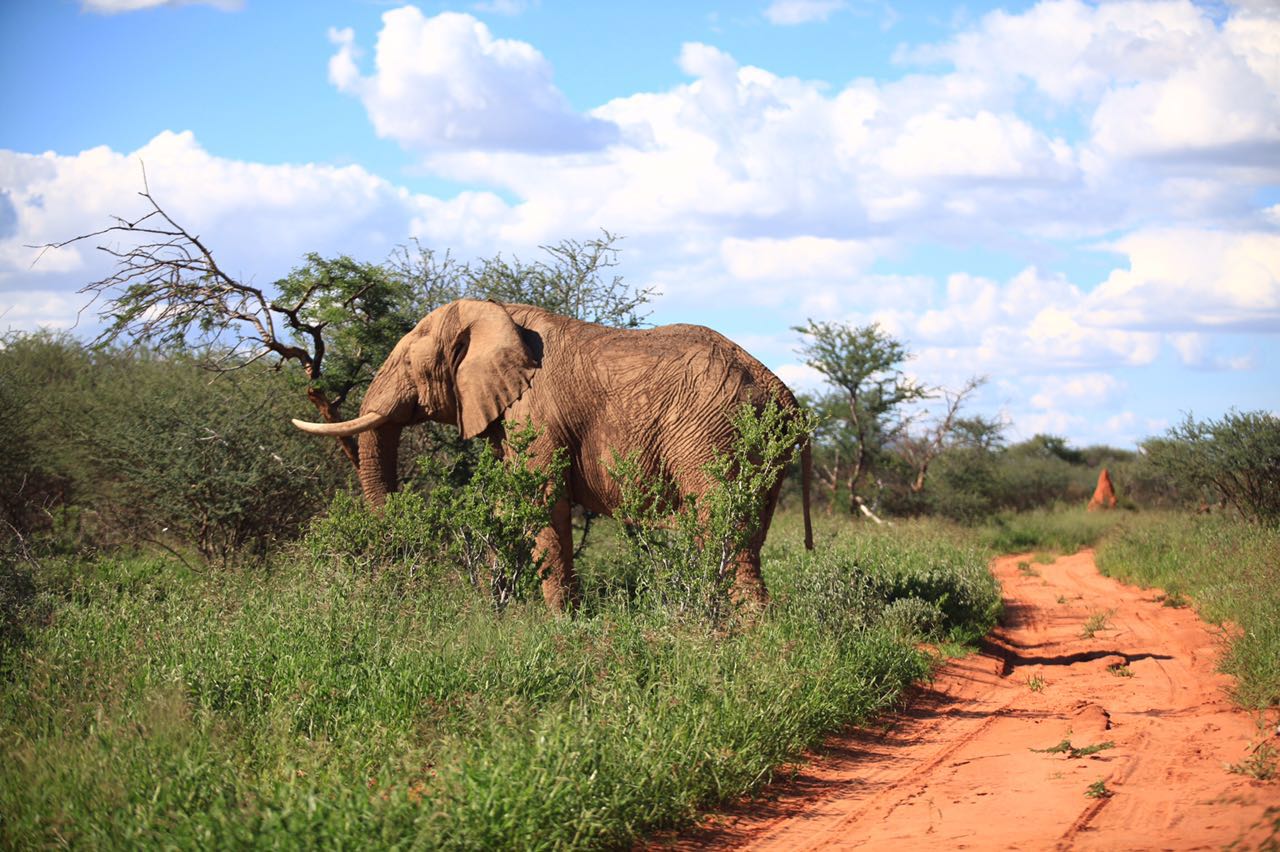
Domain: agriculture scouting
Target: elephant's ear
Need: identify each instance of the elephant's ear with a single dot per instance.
(496, 365)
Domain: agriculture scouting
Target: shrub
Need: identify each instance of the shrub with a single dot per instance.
(404, 537)
(1236, 458)
(486, 525)
(38, 412)
(211, 461)
(491, 523)
(687, 553)
(918, 583)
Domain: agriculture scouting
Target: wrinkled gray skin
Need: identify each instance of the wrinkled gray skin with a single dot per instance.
(662, 393)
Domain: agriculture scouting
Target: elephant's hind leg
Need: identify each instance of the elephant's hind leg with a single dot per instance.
(554, 545)
(748, 584)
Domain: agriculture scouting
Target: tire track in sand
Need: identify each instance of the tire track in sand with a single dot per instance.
(956, 770)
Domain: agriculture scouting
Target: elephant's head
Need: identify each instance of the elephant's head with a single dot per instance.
(464, 364)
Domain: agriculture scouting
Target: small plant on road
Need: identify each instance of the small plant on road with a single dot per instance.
(1263, 762)
(1097, 621)
(1120, 670)
(1065, 747)
(1024, 567)
(1035, 683)
(1174, 600)
(1098, 790)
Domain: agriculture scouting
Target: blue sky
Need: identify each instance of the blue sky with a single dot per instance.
(1079, 201)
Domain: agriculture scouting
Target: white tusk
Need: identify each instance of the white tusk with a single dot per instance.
(346, 428)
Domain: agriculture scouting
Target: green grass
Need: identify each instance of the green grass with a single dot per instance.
(1095, 622)
(313, 705)
(1061, 530)
(1228, 569)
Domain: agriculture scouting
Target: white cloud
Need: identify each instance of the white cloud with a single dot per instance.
(1186, 279)
(445, 83)
(1154, 79)
(258, 219)
(797, 258)
(792, 12)
(114, 7)
(985, 145)
(1083, 390)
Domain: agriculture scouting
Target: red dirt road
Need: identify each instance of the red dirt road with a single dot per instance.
(956, 770)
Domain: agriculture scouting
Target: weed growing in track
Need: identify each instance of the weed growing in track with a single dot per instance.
(1098, 790)
(1065, 747)
(1095, 622)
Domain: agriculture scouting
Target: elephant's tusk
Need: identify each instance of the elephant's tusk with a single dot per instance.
(346, 428)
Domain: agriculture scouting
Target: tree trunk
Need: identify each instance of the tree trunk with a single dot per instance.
(329, 414)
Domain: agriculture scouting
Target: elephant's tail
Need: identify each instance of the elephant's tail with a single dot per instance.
(806, 478)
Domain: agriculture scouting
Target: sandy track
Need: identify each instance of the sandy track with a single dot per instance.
(956, 769)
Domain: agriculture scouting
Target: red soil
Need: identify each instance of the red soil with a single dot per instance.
(957, 770)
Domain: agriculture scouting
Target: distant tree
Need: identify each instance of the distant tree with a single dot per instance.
(919, 449)
(1236, 458)
(863, 364)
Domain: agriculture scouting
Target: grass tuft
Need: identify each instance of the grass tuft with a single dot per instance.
(1228, 568)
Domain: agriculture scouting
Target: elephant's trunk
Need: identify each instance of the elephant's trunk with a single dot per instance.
(379, 453)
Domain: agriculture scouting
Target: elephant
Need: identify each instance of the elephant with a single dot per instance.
(663, 395)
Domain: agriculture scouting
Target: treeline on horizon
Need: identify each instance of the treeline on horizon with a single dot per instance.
(172, 427)
(111, 447)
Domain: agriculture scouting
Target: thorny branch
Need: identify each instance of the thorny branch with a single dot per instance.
(166, 288)
(920, 452)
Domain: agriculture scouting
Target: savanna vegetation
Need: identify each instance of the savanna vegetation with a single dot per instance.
(207, 640)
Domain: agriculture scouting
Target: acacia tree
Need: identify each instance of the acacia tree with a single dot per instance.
(335, 319)
(919, 450)
(863, 365)
(574, 279)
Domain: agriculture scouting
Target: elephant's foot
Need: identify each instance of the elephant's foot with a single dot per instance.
(748, 590)
(561, 596)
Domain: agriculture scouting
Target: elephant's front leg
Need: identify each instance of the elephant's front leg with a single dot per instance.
(554, 546)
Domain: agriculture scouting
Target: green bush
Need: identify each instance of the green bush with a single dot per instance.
(1235, 459)
(207, 460)
(403, 538)
(686, 554)
(492, 521)
(39, 413)
(918, 580)
(485, 526)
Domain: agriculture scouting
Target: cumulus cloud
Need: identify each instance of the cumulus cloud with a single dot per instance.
(1186, 279)
(798, 258)
(1150, 79)
(258, 219)
(114, 7)
(445, 82)
(792, 12)
(1084, 390)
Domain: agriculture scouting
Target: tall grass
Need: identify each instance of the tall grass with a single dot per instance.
(322, 705)
(1231, 571)
(1061, 529)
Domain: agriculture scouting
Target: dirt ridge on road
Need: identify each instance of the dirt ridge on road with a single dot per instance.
(1078, 658)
